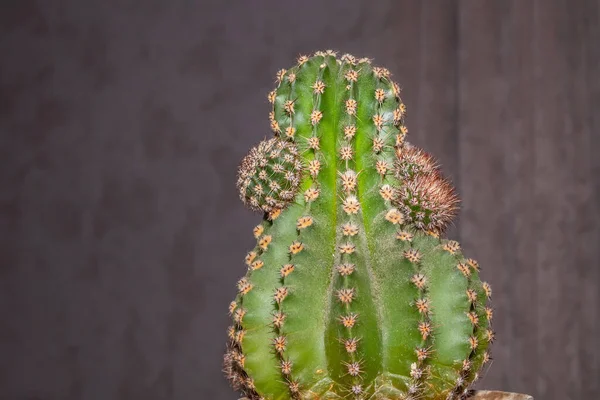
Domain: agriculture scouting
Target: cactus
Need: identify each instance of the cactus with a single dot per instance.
(352, 291)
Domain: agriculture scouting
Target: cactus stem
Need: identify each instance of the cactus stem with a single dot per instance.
(350, 292)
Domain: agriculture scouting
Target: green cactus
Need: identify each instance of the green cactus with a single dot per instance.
(351, 291)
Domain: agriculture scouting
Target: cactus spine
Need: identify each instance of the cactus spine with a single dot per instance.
(351, 290)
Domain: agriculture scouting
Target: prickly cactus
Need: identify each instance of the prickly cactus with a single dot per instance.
(351, 291)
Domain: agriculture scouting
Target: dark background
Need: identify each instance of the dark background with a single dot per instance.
(122, 123)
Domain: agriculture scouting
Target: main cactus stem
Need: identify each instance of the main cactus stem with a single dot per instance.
(351, 291)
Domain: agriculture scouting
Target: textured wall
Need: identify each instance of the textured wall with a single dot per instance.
(122, 123)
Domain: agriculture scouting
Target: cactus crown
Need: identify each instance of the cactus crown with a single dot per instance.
(351, 290)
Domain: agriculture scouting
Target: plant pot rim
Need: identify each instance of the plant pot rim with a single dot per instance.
(498, 395)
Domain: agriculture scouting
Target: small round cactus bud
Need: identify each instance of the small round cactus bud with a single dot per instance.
(413, 161)
(269, 176)
(429, 202)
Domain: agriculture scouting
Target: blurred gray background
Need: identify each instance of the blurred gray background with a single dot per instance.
(122, 124)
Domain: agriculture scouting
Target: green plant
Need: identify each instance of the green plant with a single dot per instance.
(351, 292)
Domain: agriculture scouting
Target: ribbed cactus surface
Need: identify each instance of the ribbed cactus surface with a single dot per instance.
(351, 290)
